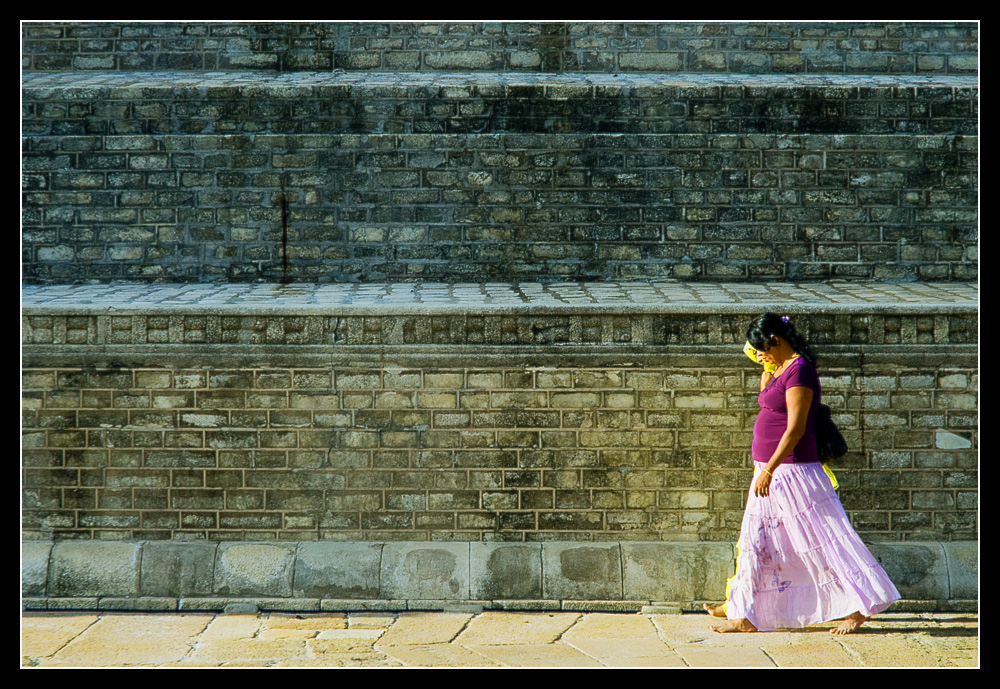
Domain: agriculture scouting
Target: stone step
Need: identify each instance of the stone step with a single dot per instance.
(253, 103)
(434, 324)
(392, 299)
(634, 313)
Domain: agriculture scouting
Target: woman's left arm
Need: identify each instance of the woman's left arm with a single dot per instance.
(797, 400)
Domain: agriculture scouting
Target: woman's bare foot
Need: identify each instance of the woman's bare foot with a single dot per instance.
(717, 611)
(741, 625)
(850, 624)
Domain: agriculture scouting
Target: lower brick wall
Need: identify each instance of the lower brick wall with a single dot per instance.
(526, 452)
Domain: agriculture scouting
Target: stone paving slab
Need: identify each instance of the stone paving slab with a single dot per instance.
(439, 655)
(556, 654)
(514, 628)
(115, 640)
(628, 652)
(515, 297)
(421, 628)
(540, 639)
(47, 634)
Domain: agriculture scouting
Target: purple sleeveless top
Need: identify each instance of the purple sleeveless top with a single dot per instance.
(773, 417)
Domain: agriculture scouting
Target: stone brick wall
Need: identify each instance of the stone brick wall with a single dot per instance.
(469, 454)
(512, 428)
(116, 190)
(499, 152)
(830, 47)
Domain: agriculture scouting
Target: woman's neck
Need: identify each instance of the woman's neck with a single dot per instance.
(785, 356)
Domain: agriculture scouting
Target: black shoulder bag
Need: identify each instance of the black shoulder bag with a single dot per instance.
(830, 444)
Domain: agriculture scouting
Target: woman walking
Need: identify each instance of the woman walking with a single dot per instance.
(800, 562)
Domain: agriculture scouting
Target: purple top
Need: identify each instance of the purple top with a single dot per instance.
(773, 417)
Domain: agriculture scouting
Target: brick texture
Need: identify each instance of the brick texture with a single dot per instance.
(822, 47)
(470, 454)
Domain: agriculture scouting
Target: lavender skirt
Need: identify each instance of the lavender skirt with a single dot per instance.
(800, 562)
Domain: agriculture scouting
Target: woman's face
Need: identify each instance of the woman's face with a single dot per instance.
(767, 356)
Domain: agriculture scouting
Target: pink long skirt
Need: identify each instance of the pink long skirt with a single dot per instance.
(800, 562)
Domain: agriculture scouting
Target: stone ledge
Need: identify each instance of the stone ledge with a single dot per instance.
(501, 298)
(275, 323)
(374, 605)
(256, 104)
(434, 576)
(44, 85)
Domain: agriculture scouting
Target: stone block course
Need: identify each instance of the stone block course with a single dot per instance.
(79, 569)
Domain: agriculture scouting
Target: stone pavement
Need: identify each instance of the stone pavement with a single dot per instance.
(483, 639)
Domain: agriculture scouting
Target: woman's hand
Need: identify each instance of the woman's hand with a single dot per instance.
(765, 380)
(798, 399)
(762, 486)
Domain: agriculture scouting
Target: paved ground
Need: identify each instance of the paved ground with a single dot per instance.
(488, 639)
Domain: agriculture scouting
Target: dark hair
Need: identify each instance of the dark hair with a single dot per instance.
(762, 330)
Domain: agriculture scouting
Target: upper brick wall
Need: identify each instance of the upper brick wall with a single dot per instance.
(758, 48)
(449, 165)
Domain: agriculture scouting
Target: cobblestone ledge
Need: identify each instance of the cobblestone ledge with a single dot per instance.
(178, 318)
(318, 576)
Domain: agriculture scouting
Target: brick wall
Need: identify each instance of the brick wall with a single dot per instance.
(828, 47)
(525, 441)
(105, 205)
(499, 152)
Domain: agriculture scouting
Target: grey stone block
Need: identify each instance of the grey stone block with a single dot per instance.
(241, 609)
(143, 604)
(73, 603)
(94, 568)
(432, 605)
(34, 568)
(204, 604)
(177, 569)
(291, 604)
(963, 569)
(505, 570)
(526, 605)
(346, 605)
(677, 571)
(425, 571)
(470, 607)
(254, 569)
(572, 571)
(662, 609)
(603, 605)
(337, 570)
(919, 570)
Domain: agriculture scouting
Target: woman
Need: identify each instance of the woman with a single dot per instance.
(800, 562)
